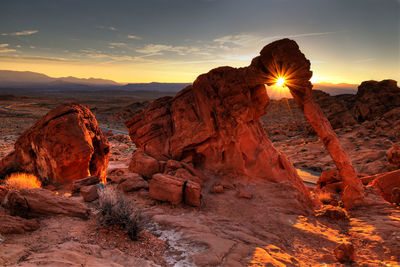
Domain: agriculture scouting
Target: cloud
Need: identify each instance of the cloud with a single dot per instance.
(158, 49)
(117, 44)
(241, 57)
(296, 35)
(238, 39)
(6, 50)
(111, 28)
(35, 58)
(98, 54)
(3, 45)
(21, 33)
(135, 37)
(364, 60)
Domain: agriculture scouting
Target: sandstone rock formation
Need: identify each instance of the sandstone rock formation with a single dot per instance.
(214, 123)
(38, 202)
(376, 98)
(64, 145)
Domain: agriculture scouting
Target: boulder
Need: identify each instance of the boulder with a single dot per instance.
(132, 182)
(396, 195)
(393, 156)
(64, 145)
(41, 202)
(375, 98)
(217, 189)
(192, 194)
(344, 253)
(244, 193)
(332, 212)
(16, 225)
(328, 177)
(144, 164)
(89, 193)
(91, 180)
(386, 183)
(165, 187)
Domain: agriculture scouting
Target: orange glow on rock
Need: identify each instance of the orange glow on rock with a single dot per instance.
(22, 180)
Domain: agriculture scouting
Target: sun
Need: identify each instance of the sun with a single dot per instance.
(280, 81)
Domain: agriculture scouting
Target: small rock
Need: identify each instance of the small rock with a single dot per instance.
(244, 193)
(344, 252)
(132, 182)
(226, 184)
(217, 189)
(396, 195)
(192, 194)
(89, 193)
(332, 212)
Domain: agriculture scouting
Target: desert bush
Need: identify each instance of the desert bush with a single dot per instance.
(22, 180)
(115, 209)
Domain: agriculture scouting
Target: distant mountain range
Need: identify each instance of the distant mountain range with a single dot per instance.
(336, 89)
(33, 80)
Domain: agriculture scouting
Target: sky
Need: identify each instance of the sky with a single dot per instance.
(176, 40)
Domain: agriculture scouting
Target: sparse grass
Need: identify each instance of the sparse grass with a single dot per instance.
(324, 197)
(22, 180)
(115, 209)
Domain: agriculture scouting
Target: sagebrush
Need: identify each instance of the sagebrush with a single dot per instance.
(115, 209)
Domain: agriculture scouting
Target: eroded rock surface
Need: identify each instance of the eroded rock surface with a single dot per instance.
(41, 202)
(65, 145)
(214, 124)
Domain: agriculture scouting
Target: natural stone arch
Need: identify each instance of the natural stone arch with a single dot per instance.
(215, 123)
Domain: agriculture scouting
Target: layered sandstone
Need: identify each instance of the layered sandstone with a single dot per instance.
(214, 123)
(65, 145)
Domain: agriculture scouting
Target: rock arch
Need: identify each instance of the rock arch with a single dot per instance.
(214, 123)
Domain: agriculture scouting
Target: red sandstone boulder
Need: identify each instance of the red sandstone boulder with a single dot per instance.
(386, 183)
(89, 193)
(16, 225)
(344, 253)
(175, 190)
(393, 156)
(65, 145)
(192, 194)
(144, 164)
(375, 99)
(166, 188)
(217, 189)
(328, 177)
(132, 182)
(78, 184)
(41, 202)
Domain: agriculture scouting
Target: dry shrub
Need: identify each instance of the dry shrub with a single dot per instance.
(115, 209)
(324, 197)
(22, 180)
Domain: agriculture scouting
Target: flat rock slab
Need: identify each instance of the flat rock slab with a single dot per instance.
(41, 202)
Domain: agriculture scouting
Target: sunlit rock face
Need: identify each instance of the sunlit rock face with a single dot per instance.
(215, 123)
(65, 145)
